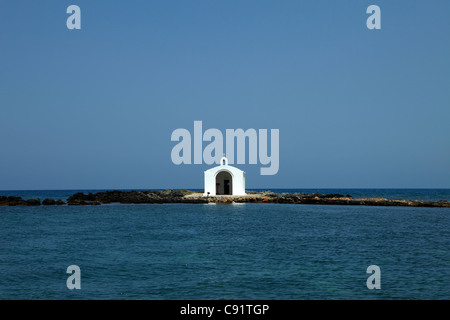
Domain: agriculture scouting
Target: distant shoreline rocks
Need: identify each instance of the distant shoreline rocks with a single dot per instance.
(18, 201)
(187, 196)
(126, 197)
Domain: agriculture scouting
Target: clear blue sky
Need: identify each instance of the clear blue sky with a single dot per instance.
(95, 108)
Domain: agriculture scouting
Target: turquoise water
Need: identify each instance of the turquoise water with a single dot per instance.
(242, 251)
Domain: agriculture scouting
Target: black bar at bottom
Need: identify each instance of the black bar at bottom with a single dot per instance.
(221, 309)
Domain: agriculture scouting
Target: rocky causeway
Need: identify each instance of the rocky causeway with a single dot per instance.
(186, 196)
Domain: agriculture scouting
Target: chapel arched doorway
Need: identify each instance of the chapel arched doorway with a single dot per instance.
(224, 183)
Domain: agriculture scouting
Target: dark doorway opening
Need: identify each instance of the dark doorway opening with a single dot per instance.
(226, 187)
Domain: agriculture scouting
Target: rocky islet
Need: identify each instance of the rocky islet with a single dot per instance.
(184, 196)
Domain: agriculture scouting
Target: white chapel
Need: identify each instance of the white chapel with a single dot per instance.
(224, 179)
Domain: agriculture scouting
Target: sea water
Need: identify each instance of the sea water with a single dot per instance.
(237, 251)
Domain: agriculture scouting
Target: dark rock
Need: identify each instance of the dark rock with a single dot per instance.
(12, 201)
(165, 196)
(79, 196)
(81, 199)
(90, 197)
(33, 202)
(48, 202)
